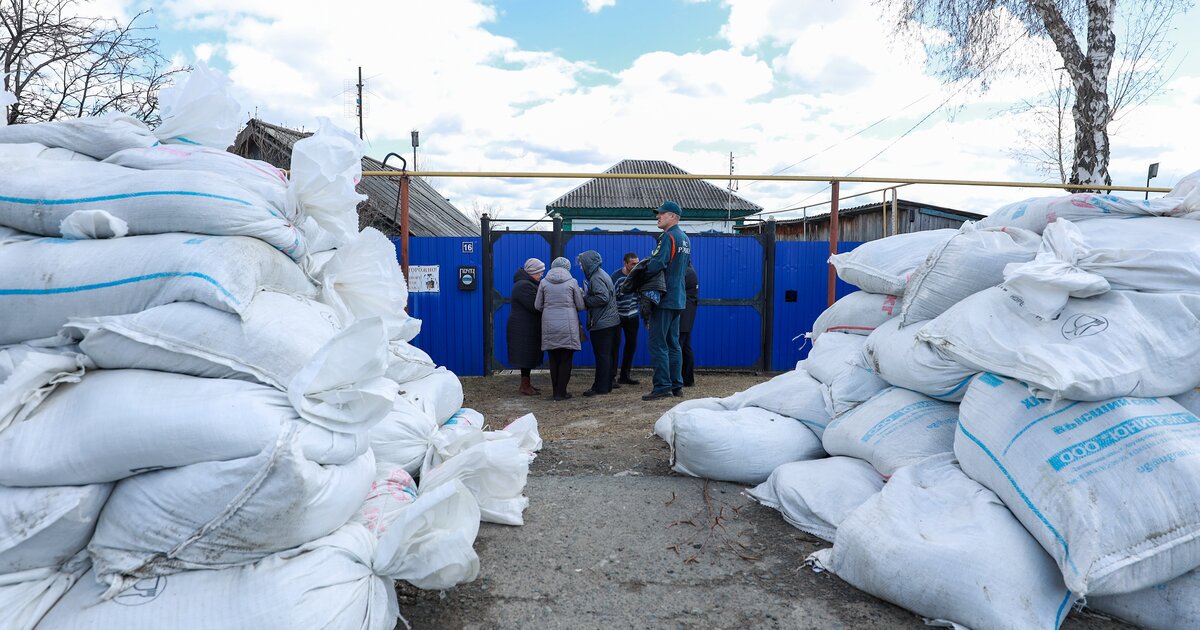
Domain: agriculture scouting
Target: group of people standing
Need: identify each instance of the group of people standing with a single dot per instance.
(663, 289)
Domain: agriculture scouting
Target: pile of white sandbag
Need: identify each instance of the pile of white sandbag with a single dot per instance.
(1010, 411)
(210, 411)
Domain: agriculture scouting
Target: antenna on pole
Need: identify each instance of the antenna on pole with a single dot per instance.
(356, 106)
(732, 186)
(360, 108)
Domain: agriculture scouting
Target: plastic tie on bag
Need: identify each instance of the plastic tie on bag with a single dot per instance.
(1058, 272)
(430, 542)
(326, 167)
(343, 387)
(92, 224)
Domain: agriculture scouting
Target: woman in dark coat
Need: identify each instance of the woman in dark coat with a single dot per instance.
(525, 324)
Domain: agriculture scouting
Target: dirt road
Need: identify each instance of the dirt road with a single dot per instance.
(614, 539)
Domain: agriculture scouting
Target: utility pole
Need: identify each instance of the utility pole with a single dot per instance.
(359, 103)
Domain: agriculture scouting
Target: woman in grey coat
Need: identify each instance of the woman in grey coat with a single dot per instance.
(603, 319)
(560, 299)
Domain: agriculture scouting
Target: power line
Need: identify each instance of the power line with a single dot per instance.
(939, 106)
(847, 137)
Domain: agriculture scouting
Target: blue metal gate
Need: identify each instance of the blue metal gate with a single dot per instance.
(758, 296)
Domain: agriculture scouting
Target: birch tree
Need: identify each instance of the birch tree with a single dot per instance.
(60, 63)
(971, 37)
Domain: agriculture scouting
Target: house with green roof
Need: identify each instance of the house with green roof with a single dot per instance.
(628, 204)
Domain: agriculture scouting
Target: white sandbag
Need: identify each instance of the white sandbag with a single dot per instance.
(403, 437)
(343, 388)
(391, 492)
(837, 361)
(33, 199)
(857, 314)
(259, 177)
(200, 110)
(944, 547)
(884, 265)
(273, 340)
(1104, 487)
(216, 515)
(495, 471)
(1038, 212)
(1116, 344)
(900, 358)
(363, 279)
(816, 495)
(26, 597)
(971, 261)
(34, 151)
(325, 583)
(1152, 254)
(742, 446)
(139, 420)
(792, 394)
(44, 282)
(1169, 606)
(96, 136)
(1187, 190)
(1189, 400)
(439, 394)
(406, 362)
(343, 580)
(524, 430)
(468, 417)
(896, 428)
(430, 542)
(28, 375)
(326, 167)
(45, 527)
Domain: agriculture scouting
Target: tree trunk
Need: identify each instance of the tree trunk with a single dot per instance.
(1091, 114)
(1089, 74)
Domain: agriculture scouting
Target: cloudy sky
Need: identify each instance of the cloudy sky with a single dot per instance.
(805, 87)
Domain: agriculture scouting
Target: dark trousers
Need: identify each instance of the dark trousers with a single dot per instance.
(629, 327)
(560, 370)
(689, 359)
(665, 354)
(604, 343)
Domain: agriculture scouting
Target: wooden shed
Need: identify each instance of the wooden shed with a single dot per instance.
(869, 222)
(429, 213)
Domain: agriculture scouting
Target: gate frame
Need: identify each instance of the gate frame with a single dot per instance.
(763, 302)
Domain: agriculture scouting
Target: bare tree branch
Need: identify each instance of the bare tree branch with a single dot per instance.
(970, 35)
(64, 64)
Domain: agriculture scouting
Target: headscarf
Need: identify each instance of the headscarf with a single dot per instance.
(534, 266)
(561, 263)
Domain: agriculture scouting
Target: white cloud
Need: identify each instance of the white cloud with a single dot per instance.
(799, 79)
(594, 6)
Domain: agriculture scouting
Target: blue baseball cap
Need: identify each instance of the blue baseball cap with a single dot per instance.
(669, 206)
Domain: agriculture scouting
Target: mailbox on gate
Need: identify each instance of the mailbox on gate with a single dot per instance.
(468, 278)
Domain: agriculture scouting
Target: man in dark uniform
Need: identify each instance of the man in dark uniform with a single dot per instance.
(691, 288)
(671, 256)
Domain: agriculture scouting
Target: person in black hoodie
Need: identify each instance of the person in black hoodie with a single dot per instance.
(691, 289)
(525, 324)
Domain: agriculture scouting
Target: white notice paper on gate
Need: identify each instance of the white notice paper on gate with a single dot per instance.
(424, 278)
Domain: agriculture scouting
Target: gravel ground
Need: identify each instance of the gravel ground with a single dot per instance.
(614, 539)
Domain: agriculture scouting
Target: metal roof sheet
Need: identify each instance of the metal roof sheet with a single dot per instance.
(646, 194)
(429, 213)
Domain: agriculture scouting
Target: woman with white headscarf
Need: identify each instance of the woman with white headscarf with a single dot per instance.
(560, 299)
(525, 324)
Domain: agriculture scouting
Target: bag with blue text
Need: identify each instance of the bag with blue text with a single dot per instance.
(1108, 488)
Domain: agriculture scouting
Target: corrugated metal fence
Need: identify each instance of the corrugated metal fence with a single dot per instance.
(748, 310)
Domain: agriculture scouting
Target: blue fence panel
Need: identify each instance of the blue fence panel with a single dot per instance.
(510, 251)
(800, 266)
(451, 319)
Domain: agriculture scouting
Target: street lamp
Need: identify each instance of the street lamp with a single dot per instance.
(1151, 173)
